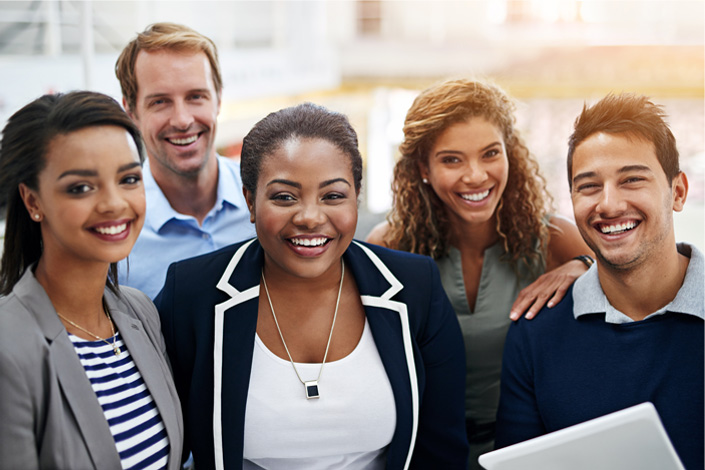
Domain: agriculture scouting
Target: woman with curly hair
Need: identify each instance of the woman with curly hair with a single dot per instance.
(468, 193)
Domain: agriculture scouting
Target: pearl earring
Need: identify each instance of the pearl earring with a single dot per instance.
(425, 181)
(36, 216)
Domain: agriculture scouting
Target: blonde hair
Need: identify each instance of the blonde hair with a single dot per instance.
(163, 37)
(418, 221)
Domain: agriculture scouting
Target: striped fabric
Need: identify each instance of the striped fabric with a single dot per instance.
(140, 436)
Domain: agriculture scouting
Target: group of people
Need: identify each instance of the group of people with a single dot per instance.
(184, 305)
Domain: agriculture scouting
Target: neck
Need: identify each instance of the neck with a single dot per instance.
(642, 290)
(473, 238)
(75, 289)
(190, 195)
(294, 287)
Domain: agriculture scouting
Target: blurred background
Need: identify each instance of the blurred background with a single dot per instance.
(369, 59)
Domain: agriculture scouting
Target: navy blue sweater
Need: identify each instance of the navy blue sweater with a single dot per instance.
(559, 371)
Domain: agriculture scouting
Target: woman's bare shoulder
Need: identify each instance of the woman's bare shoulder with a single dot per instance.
(378, 233)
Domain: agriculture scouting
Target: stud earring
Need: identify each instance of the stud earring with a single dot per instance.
(425, 181)
(36, 216)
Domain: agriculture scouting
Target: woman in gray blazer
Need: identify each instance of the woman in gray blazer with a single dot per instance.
(84, 379)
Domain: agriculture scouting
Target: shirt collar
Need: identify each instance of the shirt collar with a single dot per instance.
(588, 296)
(159, 210)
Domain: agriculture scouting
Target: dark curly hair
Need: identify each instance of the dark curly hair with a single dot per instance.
(418, 221)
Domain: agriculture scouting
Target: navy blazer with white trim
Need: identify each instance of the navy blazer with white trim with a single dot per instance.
(208, 308)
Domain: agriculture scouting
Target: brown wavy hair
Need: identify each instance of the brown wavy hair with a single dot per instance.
(418, 221)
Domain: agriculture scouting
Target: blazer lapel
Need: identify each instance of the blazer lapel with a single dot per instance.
(234, 336)
(76, 387)
(389, 323)
(152, 367)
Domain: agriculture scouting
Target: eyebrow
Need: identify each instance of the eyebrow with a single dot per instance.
(93, 173)
(624, 169)
(161, 95)
(486, 147)
(298, 185)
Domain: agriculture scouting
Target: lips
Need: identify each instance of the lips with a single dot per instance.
(477, 196)
(309, 242)
(183, 141)
(112, 231)
(617, 228)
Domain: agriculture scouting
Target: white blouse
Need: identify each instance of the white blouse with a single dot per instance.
(348, 427)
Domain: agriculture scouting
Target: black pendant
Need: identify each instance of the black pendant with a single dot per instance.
(312, 389)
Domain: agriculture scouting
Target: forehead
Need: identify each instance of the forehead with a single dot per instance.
(306, 159)
(473, 130)
(163, 71)
(91, 146)
(605, 154)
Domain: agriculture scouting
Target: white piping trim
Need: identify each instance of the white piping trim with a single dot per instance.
(411, 365)
(237, 297)
(396, 286)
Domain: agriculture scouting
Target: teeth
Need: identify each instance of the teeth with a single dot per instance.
(112, 230)
(618, 228)
(186, 141)
(476, 197)
(309, 241)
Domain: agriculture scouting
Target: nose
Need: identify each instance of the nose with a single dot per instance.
(181, 117)
(111, 200)
(474, 173)
(310, 215)
(610, 202)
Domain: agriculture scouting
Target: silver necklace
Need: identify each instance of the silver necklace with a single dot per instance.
(116, 348)
(310, 386)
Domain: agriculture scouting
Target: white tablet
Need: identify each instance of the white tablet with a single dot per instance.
(630, 439)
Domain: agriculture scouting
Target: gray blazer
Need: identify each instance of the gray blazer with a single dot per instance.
(50, 417)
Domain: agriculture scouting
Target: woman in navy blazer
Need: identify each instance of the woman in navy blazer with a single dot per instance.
(273, 301)
(84, 378)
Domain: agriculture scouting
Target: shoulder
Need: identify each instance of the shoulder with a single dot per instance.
(229, 165)
(215, 260)
(564, 243)
(392, 257)
(378, 233)
(548, 320)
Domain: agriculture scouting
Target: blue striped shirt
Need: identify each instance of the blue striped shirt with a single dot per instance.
(135, 423)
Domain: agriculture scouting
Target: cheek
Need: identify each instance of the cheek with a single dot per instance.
(345, 220)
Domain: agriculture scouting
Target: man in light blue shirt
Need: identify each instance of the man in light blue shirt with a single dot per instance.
(171, 85)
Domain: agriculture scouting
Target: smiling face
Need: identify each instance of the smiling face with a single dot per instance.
(468, 170)
(623, 201)
(176, 110)
(90, 198)
(305, 208)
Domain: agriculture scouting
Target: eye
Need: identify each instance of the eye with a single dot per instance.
(491, 153)
(450, 159)
(334, 196)
(131, 179)
(586, 187)
(78, 189)
(634, 179)
(282, 197)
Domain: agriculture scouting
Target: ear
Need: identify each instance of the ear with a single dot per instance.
(127, 109)
(31, 202)
(250, 200)
(423, 170)
(679, 189)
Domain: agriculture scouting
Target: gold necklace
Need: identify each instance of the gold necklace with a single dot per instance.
(116, 348)
(310, 386)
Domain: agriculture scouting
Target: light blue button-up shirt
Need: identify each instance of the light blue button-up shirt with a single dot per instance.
(169, 236)
(588, 296)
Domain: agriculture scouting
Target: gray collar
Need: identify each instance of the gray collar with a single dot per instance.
(588, 296)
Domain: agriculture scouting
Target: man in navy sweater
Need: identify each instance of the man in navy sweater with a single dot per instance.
(630, 329)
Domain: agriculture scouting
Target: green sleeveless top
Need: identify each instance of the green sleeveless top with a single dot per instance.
(485, 326)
